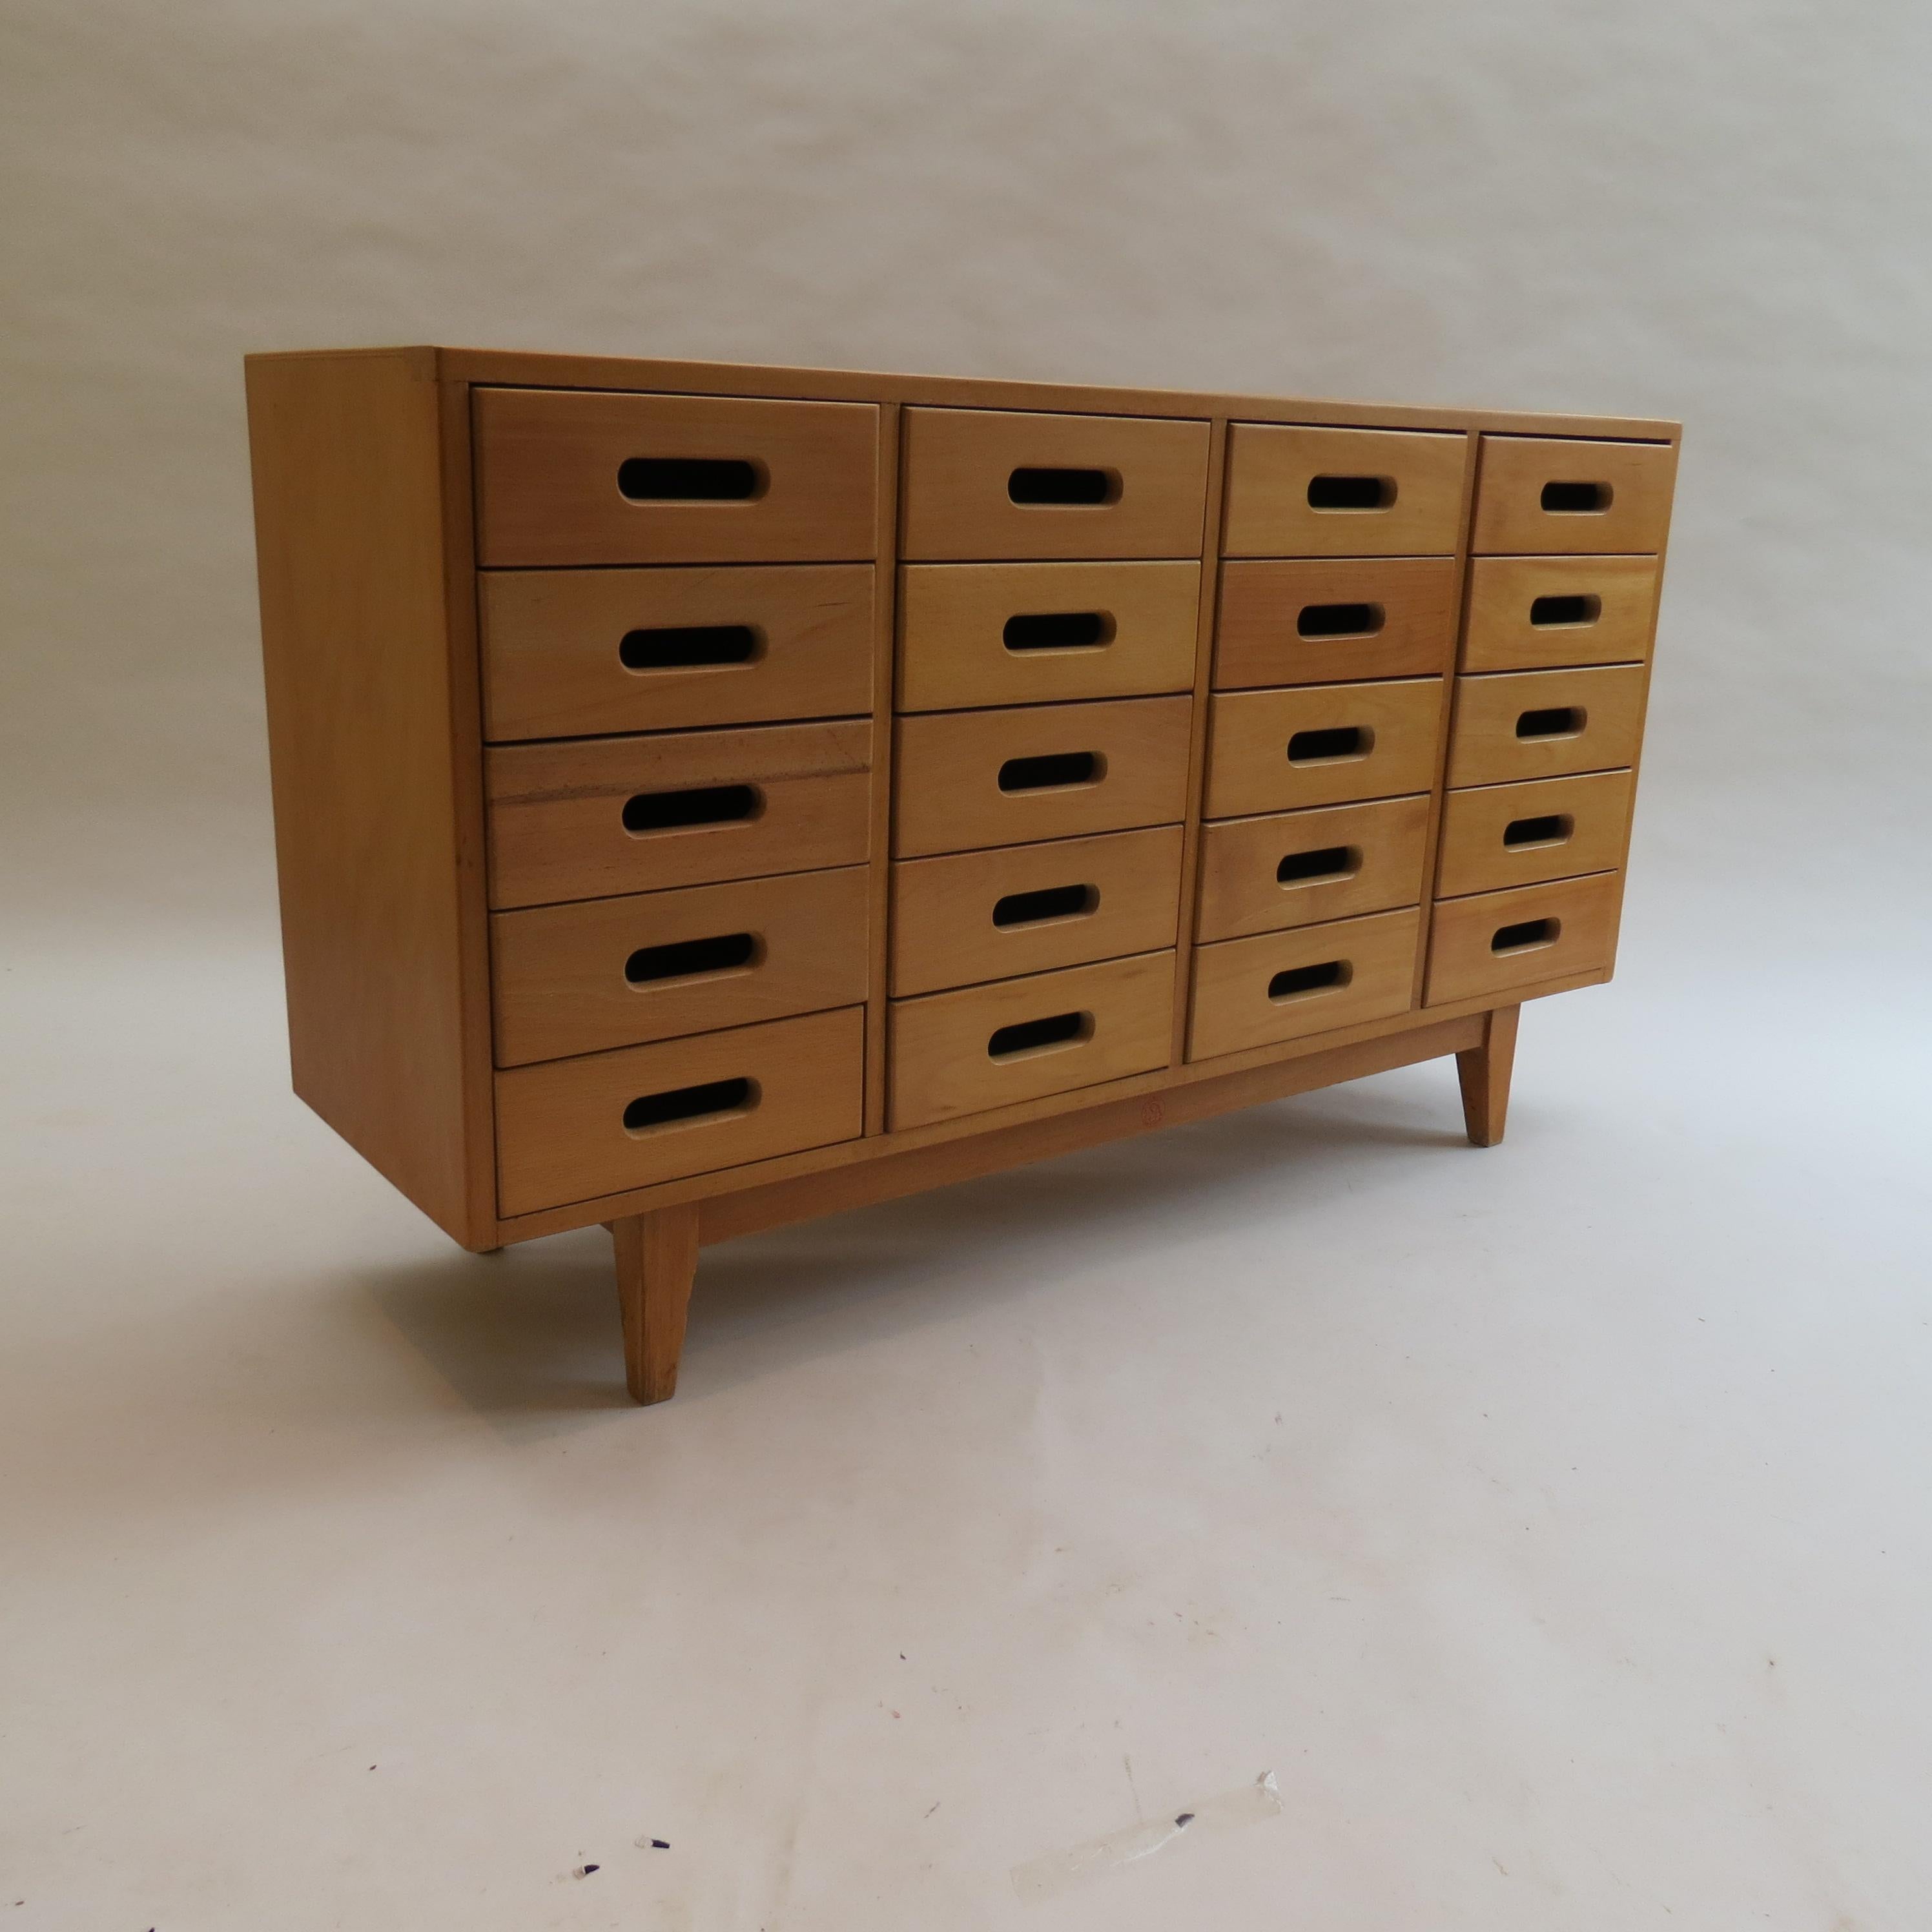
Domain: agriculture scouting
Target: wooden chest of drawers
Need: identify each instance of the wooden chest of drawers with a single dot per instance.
(707, 797)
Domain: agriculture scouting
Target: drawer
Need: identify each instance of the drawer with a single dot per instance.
(995, 484)
(1519, 834)
(1284, 985)
(1029, 908)
(965, 779)
(1538, 613)
(1018, 1040)
(1323, 622)
(1306, 492)
(571, 1129)
(1325, 744)
(596, 817)
(975, 633)
(606, 973)
(570, 653)
(1301, 868)
(1547, 493)
(1545, 724)
(1497, 941)
(591, 476)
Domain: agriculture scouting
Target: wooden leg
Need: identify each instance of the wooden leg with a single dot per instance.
(657, 1256)
(1484, 1072)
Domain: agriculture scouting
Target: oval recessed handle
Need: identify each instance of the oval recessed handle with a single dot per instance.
(696, 806)
(689, 646)
(1567, 612)
(1050, 902)
(1035, 485)
(1351, 492)
(1551, 828)
(1576, 500)
(1052, 771)
(1339, 620)
(1319, 868)
(1334, 744)
(1303, 982)
(1525, 935)
(694, 958)
(691, 1106)
(1552, 720)
(1025, 1038)
(1059, 631)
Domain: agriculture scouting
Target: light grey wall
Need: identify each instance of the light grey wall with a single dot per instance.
(1702, 208)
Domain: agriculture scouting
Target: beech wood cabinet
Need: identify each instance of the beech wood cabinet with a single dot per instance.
(707, 797)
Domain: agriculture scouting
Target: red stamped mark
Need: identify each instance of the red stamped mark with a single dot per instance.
(1153, 1111)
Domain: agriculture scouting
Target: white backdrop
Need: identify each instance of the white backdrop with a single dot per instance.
(1708, 209)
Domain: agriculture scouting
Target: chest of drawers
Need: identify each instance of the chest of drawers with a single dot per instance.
(707, 797)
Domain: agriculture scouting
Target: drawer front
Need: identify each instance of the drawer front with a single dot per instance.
(974, 633)
(1018, 1040)
(1285, 986)
(1325, 744)
(588, 476)
(1496, 942)
(1030, 908)
(608, 973)
(966, 779)
(1545, 493)
(1536, 612)
(604, 816)
(1317, 623)
(1545, 724)
(571, 1129)
(571, 653)
(1306, 492)
(1519, 835)
(1301, 868)
(994, 484)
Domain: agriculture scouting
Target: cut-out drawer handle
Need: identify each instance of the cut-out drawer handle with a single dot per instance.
(684, 811)
(1526, 936)
(1339, 620)
(1576, 500)
(1053, 771)
(1318, 869)
(689, 646)
(691, 1106)
(1552, 720)
(690, 479)
(1059, 631)
(1303, 983)
(1033, 486)
(694, 958)
(1351, 492)
(1025, 1038)
(1334, 745)
(1552, 828)
(1050, 902)
(1568, 613)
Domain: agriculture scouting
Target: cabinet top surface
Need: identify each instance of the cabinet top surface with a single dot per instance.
(530, 368)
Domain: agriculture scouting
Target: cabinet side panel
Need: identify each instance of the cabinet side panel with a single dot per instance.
(349, 525)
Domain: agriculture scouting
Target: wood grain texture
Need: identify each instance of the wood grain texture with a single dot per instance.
(547, 478)
(1378, 866)
(1464, 964)
(552, 641)
(1510, 514)
(1234, 1010)
(1249, 769)
(1483, 1072)
(879, 898)
(941, 1065)
(657, 1262)
(556, 810)
(943, 933)
(959, 463)
(1086, 1122)
(561, 986)
(1265, 602)
(369, 739)
(947, 776)
(561, 1136)
(1486, 743)
(1271, 469)
(1499, 634)
(1593, 816)
(1143, 1089)
(953, 654)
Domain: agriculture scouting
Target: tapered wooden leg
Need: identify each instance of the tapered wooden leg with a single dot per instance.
(1484, 1072)
(657, 1257)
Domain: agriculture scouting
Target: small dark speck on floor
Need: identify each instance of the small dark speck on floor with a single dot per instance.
(1186, 1819)
(584, 1871)
(660, 1844)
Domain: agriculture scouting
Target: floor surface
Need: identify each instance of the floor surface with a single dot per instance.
(1533, 1538)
